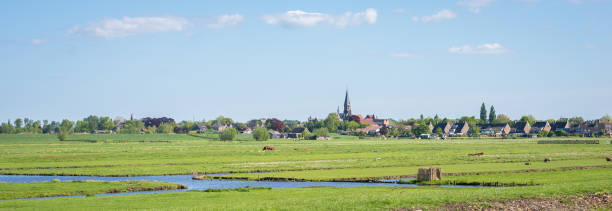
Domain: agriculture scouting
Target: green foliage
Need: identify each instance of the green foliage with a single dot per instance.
(166, 128)
(62, 136)
(81, 127)
(332, 122)
(321, 132)
(439, 131)
(528, 118)
(483, 113)
(261, 134)
(543, 133)
(132, 127)
(420, 129)
(227, 134)
(66, 126)
(502, 118)
(492, 115)
(223, 120)
(561, 133)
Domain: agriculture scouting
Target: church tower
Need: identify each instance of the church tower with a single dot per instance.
(347, 107)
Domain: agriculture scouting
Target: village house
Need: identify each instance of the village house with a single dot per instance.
(561, 125)
(497, 129)
(592, 128)
(460, 128)
(537, 127)
(297, 132)
(445, 127)
(220, 127)
(201, 127)
(521, 128)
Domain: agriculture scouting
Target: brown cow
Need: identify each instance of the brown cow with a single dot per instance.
(268, 148)
(476, 154)
(608, 159)
(528, 163)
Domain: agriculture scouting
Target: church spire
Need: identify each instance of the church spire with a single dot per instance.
(347, 106)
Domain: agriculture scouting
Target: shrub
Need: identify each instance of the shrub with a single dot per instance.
(321, 132)
(261, 134)
(62, 136)
(227, 134)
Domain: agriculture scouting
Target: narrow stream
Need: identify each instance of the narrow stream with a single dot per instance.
(190, 183)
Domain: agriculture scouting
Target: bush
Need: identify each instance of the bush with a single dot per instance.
(321, 132)
(61, 136)
(227, 134)
(261, 134)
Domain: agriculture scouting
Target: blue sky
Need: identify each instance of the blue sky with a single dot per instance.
(290, 60)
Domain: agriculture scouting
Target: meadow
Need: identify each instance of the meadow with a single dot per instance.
(342, 158)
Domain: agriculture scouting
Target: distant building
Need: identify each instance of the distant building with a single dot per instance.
(537, 127)
(445, 127)
(498, 129)
(459, 129)
(200, 127)
(561, 125)
(521, 128)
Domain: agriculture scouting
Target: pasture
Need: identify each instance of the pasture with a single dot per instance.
(340, 159)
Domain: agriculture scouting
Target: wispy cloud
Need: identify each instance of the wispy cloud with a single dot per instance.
(399, 10)
(130, 26)
(475, 5)
(37, 41)
(439, 16)
(299, 18)
(405, 55)
(493, 48)
(225, 21)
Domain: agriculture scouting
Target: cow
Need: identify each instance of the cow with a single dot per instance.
(268, 148)
(546, 160)
(476, 154)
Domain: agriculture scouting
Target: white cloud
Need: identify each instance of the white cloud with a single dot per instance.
(475, 5)
(399, 10)
(37, 41)
(129, 26)
(299, 18)
(493, 48)
(440, 16)
(224, 21)
(405, 55)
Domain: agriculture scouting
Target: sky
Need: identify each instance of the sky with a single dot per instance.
(194, 60)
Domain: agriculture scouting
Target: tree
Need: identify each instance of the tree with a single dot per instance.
(543, 133)
(576, 120)
(132, 127)
(352, 125)
(106, 123)
(420, 129)
(227, 134)
(276, 125)
(18, 123)
(439, 132)
(483, 113)
(166, 128)
(321, 132)
(492, 115)
(528, 118)
(223, 120)
(606, 118)
(502, 118)
(332, 122)
(81, 126)
(92, 123)
(66, 126)
(261, 134)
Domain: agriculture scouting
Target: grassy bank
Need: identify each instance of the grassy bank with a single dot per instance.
(71, 188)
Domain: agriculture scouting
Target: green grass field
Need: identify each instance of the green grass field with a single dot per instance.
(71, 188)
(340, 158)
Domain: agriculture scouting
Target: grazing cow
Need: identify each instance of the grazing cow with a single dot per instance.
(476, 154)
(608, 159)
(268, 148)
(528, 163)
(546, 160)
